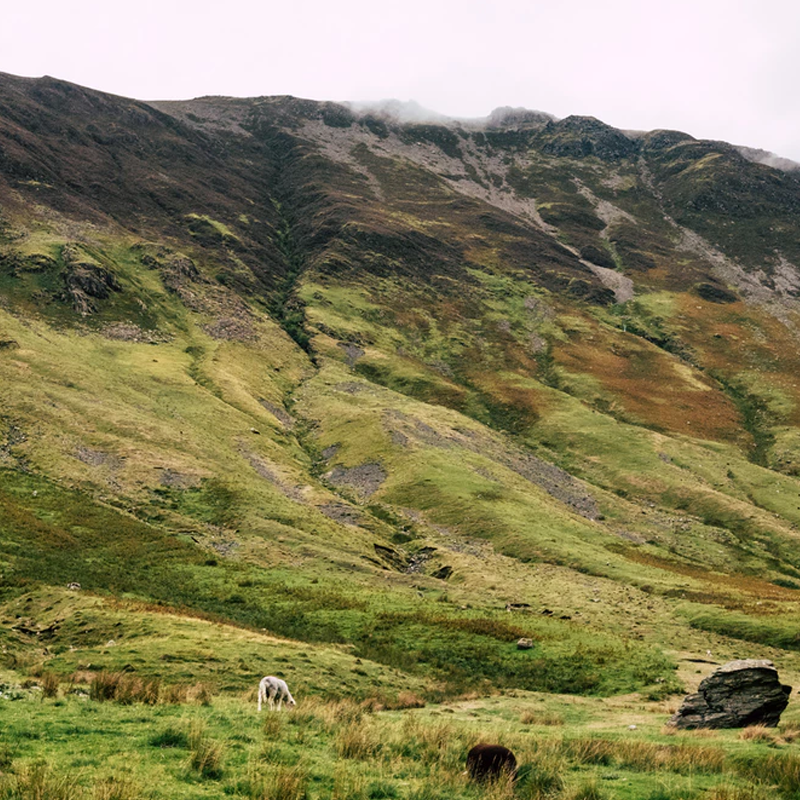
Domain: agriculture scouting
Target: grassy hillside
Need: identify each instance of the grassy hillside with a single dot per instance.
(290, 390)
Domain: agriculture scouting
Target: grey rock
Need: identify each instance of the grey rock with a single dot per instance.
(739, 693)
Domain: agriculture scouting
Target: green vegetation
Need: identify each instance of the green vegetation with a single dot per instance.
(350, 402)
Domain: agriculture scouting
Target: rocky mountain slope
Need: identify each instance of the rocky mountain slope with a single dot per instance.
(311, 370)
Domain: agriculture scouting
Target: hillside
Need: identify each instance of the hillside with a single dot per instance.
(283, 376)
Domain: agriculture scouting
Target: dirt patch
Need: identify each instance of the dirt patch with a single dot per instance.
(179, 480)
(405, 429)
(234, 329)
(98, 458)
(329, 452)
(128, 332)
(279, 413)
(341, 513)
(364, 480)
(351, 351)
(269, 472)
(349, 388)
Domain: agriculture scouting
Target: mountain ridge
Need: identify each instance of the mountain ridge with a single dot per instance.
(283, 332)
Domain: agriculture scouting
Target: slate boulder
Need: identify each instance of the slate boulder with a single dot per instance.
(738, 694)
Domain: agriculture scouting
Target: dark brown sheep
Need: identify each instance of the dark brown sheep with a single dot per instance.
(489, 761)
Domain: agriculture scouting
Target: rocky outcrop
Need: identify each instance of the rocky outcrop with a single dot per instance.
(739, 693)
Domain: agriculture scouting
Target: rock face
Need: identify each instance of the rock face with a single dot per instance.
(739, 693)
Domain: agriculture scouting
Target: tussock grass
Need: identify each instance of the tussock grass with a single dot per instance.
(540, 717)
(40, 781)
(113, 788)
(758, 733)
(206, 756)
(357, 739)
(277, 783)
(727, 791)
(49, 681)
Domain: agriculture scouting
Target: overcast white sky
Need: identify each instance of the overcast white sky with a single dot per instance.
(721, 69)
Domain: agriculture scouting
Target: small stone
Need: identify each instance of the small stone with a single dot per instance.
(524, 644)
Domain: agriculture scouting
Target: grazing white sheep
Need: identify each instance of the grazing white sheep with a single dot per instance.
(271, 689)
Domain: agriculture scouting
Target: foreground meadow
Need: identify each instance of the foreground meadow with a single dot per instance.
(116, 737)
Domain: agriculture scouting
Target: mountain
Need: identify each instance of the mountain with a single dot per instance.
(398, 391)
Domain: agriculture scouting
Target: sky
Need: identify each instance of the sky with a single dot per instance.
(717, 69)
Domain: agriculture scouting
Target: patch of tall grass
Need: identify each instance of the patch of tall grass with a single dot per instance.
(40, 781)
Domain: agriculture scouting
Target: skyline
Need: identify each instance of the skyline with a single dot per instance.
(712, 69)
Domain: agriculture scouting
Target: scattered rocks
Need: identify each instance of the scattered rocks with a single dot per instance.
(740, 693)
(232, 329)
(98, 458)
(279, 413)
(351, 351)
(179, 480)
(339, 512)
(364, 480)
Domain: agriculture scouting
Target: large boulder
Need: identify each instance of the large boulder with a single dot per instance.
(739, 693)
